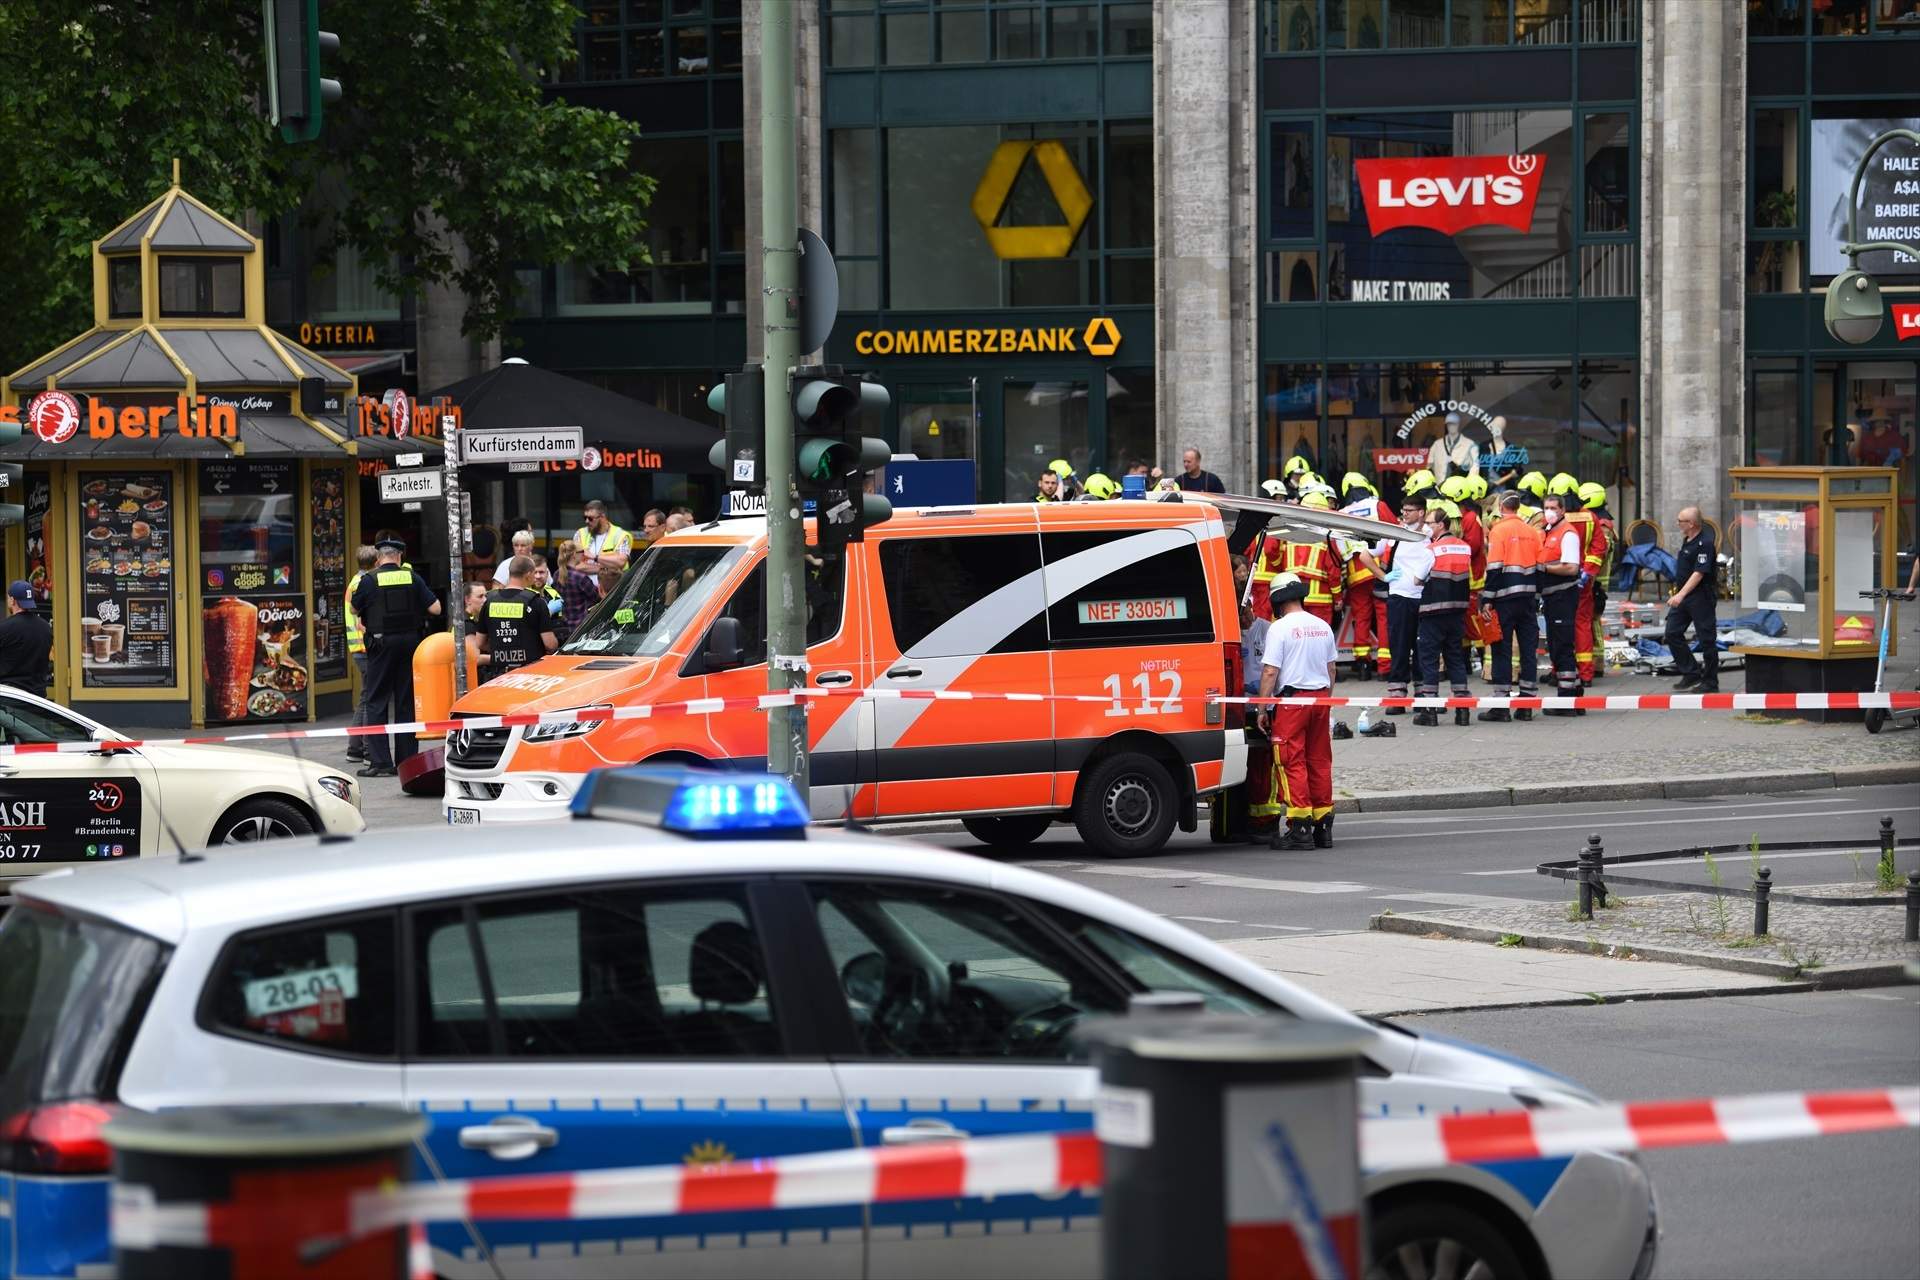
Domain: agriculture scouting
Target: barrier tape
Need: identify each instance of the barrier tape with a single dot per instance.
(1892, 702)
(1040, 1164)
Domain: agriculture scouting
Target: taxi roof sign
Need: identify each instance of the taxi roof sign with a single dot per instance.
(701, 803)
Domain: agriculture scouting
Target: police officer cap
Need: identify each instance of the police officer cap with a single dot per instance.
(1287, 586)
(389, 544)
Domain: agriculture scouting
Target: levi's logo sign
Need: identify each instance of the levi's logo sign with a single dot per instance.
(1451, 193)
(1906, 320)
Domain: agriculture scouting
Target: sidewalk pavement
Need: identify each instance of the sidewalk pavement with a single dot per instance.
(1388, 973)
(1619, 755)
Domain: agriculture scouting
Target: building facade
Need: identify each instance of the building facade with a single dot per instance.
(1105, 230)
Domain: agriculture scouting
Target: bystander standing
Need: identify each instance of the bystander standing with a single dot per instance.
(522, 546)
(26, 643)
(579, 587)
(1195, 480)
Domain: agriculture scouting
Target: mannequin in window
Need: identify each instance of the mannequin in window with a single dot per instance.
(1453, 453)
(1501, 474)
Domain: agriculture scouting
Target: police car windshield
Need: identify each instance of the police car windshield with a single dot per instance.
(656, 601)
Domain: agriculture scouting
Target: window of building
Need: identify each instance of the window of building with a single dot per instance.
(937, 419)
(1073, 31)
(324, 986)
(699, 202)
(1543, 21)
(1157, 599)
(123, 288)
(1416, 24)
(980, 959)
(1041, 421)
(1774, 438)
(1841, 18)
(625, 40)
(1129, 30)
(202, 286)
(1291, 180)
(595, 973)
(1289, 26)
(1775, 231)
(1776, 18)
(1477, 23)
(963, 36)
(348, 289)
(929, 580)
(1131, 422)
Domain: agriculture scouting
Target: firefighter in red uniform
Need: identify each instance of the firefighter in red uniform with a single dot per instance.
(1593, 552)
(1593, 497)
(1459, 491)
(1443, 612)
(1369, 611)
(1313, 560)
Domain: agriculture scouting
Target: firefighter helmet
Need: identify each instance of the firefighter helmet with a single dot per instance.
(1285, 587)
(1457, 488)
(1534, 483)
(1562, 484)
(1062, 468)
(1100, 486)
(1295, 465)
(1317, 499)
(1273, 488)
(1478, 484)
(1592, 494)
(1353, 483)
(1417, 483)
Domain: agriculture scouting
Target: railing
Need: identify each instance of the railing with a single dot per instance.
(1609, 270)
(1610, 21)
(1542, 280)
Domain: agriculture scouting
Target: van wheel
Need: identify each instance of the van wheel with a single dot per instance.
(1125, 806)
(261, 820)
(1010, 832)
(1414, 1241)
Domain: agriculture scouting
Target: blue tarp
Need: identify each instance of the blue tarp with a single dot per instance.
(1767, 622)
(1655, 559)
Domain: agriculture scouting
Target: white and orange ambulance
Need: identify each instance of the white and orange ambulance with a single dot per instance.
(1130, 603)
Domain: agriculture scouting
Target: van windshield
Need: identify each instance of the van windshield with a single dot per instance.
(656, 601)
(70, 994)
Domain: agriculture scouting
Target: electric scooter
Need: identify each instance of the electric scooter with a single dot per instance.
(1877, 717)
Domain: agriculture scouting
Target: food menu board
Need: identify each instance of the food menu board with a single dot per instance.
(327, 508)
(39, 562)
(253, 621)
(126, 578)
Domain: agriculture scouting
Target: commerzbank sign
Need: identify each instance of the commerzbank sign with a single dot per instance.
(1100, 337)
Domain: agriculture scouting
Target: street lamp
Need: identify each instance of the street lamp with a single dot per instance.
(1854, 309)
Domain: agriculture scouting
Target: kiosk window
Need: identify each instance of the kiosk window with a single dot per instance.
(323, 985)
(1126, 587)
(931, 582)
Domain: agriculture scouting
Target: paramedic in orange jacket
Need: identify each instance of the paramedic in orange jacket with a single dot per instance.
(1369, 611)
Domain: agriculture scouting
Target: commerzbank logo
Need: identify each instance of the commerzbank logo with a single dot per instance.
(990, 198)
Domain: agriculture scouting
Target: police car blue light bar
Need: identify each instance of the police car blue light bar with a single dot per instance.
(694, 802)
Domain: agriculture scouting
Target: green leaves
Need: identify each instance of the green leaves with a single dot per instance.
(445, 159)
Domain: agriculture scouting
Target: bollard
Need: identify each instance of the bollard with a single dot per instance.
(1887, 867)
(1913, 907)
(1762, 887)
(278, 1175)
(1230, 1146)
(1598, 855)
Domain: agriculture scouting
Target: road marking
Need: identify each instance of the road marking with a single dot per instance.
(1209, 878)
(1863, 854)
(1518, 813)
(1204, 919)
(1875, 995)
(1474, 834)
(1457, 899)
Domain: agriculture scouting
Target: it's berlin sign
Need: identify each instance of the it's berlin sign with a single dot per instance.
(1448, 194)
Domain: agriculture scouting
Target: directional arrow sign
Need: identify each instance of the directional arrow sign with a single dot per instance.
(522, 444)
(411, 486)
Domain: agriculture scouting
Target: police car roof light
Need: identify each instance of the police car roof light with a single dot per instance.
(701, 803)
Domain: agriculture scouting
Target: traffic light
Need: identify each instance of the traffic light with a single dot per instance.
(831, 458)
(741, 456)
(297, 93)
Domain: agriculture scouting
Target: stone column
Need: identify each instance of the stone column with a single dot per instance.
(1693, 150)
(1205, 167)
(808, 61)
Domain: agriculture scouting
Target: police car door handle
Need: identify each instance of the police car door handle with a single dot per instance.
(8, 770)
(508, 1137)
(834, 677)
(923, 1129)
(904, 673)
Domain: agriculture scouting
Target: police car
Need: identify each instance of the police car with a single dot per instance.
(112, 802)
(685, 973)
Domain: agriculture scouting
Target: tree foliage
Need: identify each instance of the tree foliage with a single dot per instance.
(444, 140)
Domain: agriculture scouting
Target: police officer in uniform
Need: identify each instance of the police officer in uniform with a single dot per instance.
(393, 603)
(1692, 603)
(515, 630)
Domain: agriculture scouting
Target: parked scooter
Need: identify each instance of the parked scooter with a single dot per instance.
(1877, 717)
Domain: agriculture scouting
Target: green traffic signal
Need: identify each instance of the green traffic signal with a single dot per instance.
(297, 93)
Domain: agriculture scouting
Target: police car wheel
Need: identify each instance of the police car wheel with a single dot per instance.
(1125, 806)
(261, 820)
(1010, 832)
(1439, 1242)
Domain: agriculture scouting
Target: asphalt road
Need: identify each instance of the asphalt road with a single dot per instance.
(1847, 1206)
(1462, 857)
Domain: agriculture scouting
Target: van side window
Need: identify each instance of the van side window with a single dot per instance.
(941, 594)
(826, 583)
(1126, 587)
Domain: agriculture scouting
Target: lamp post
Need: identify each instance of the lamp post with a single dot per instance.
(1854, 309)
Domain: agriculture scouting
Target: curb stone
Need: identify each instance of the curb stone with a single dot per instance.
(1616, 997)
(1837, 977)
(1861, 775)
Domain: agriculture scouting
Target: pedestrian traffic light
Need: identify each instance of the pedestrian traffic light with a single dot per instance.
(831, 458)
(297, 93)
(741, 456)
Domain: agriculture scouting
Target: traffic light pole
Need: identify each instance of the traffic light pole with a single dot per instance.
(786, 535)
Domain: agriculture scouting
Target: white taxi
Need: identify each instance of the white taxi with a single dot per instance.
(107, 803)
(684, 972)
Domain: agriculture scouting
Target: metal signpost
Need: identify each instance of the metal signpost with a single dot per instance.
(450, 434)
(780, 308)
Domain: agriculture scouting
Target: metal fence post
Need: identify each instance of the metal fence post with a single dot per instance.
(1913, 906)
(275, 1175)
(1762, 887)
(1599, 869)
(1887, 867)
(1230, 1148)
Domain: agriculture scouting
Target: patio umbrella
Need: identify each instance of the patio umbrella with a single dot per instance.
(517, 394)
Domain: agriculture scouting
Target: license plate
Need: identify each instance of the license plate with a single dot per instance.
(463, 817)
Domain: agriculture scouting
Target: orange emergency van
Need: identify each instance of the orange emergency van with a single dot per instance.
(1130, 603)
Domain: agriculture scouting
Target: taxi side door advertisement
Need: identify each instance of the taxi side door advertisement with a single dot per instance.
(69, 820)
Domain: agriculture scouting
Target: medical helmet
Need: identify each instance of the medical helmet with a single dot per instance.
(1317, 500)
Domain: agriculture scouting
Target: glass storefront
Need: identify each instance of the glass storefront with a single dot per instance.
(1837, 413)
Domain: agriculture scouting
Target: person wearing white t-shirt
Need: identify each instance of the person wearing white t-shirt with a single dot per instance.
(522, 546)
(1406, 580)
(1301, 659)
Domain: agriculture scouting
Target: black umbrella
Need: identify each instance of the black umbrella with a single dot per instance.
(518, 394)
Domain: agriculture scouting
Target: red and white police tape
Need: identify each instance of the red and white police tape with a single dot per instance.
(1038, 1164)
(1156, 705)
